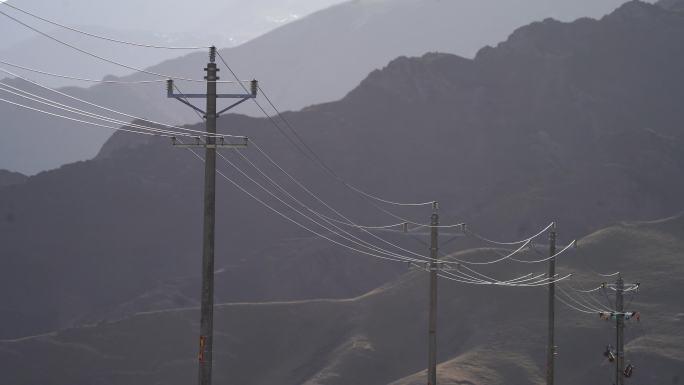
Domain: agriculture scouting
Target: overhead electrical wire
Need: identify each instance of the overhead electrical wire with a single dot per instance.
(590, 308)
(99, 36)
(587, 290)
(330, 170)
(50, 103)
(519, 249)
(325, 166)
(338, 213)
(482, 238)
(355, 240)
(82, 121)
(592, 298)
(573, 307)
(320, 162)
(158, 132)
(296, 146)
(583, 297)
(543, 282)
(178, 128)
(82, 79)
(606, 275)
(96, 56)
(328, 219)
(524, 278)
(279, 187)
(557, 254)
(395, 258)
(308, 191)
(492, 279)
(376, 249)
(284, 216)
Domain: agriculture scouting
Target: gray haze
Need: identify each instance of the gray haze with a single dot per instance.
(229, 23)
(563, 122)
(316, 59)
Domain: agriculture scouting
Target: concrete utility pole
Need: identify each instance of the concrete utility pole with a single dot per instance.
(434, 268)
(210, 145)
(551, 348)
(619, 315)
(619, 326)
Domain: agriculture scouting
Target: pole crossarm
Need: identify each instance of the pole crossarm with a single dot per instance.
(183, 98)
(200, 143)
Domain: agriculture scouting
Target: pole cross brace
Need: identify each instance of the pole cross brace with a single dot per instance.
(221, 143)
(254, 86)
(431, 266)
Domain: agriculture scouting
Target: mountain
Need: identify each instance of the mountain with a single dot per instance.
(672, 5)
(130, 21)
(486, 335)
(314, 59)
(240, 21)
(32, 52)
(8, 178)
(575, 122)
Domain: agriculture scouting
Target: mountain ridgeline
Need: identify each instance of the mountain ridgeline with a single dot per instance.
(575, 122)
(316, 59)
(557, 123)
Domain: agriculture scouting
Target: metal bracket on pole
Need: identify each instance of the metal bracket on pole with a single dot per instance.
(181, 97)
(221, 143)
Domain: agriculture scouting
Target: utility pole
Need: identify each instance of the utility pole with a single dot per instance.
(210, 145)
(551, 348)
(620, 315)
(434, 267)
(619, 326)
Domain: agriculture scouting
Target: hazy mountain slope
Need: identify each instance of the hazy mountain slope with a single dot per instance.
(33, 51)
(559, 122)
(8, 178)
(171, 21)
(673, 5)
(486, 335)
(318, 58)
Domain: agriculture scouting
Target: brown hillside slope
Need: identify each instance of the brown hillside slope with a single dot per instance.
(487, 335)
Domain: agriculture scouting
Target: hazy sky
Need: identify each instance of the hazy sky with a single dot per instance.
(228, 18)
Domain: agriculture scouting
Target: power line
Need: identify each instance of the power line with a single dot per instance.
(102, 81)
(330, 170)
(482, 238)
(294, 221)
(524, 245)
(51, 103)
(99, 36)
(98, 56)
(572, 244)
(278, 186)
(584, 305)
(82, 121)
(360, 242)
(350, 223)
(375, 248)
(81, 79)
(197, 132)
(311, 155)
(574, 307)
(587, 290)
